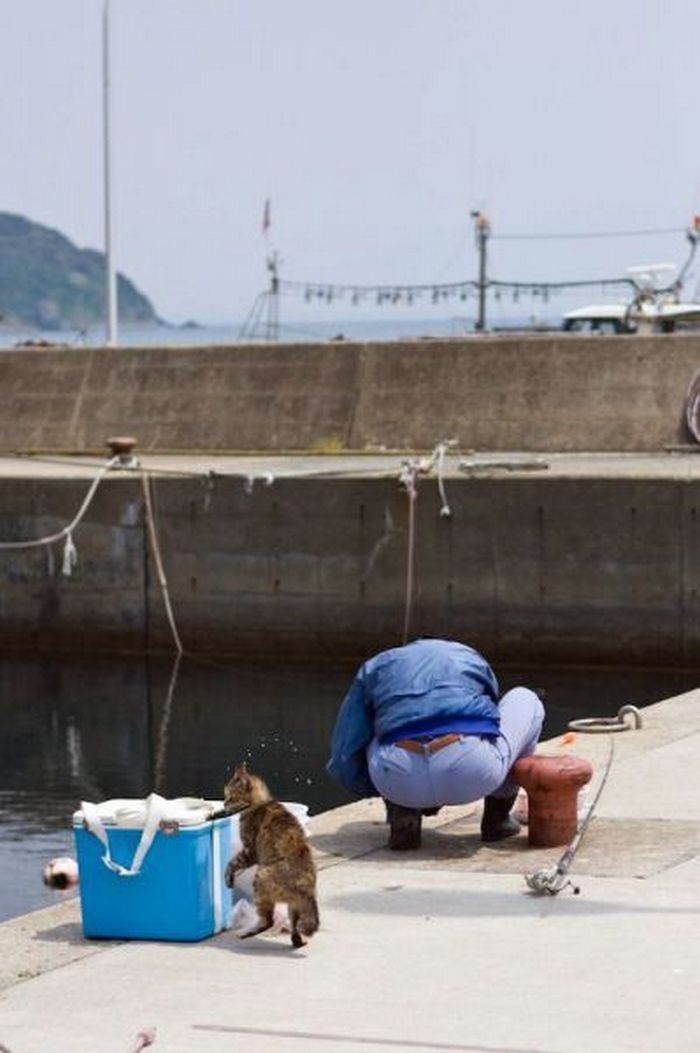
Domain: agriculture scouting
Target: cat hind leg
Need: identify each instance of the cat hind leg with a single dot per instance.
(304, 920)
(264, 904)
(297, 938)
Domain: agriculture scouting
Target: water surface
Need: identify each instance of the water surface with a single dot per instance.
(92, 728)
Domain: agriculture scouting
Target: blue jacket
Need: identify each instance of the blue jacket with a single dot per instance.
(429, 686)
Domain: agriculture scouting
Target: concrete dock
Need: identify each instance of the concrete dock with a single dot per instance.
(441, 949)
(580, 546)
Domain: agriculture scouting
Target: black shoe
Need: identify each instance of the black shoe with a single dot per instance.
(497, 822)
(404, 827)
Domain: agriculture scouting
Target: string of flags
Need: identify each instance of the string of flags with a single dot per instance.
(380, 294)
(407, 295)
(435, 293)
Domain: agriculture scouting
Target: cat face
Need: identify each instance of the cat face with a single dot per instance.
(243, 790)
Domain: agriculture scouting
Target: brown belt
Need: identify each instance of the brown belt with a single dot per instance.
(432, 746)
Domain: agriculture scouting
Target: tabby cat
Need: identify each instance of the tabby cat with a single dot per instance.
(274, 840)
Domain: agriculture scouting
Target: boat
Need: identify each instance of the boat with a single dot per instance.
(654, 307)
(630, 318)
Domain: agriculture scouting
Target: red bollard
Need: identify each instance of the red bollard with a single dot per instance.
(552, 785)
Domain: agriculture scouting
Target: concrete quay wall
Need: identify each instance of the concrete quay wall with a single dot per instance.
(536, 392)
(554, 569)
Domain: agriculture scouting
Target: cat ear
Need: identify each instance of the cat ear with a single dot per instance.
(241, 769)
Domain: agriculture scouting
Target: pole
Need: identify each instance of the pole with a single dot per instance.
(273, 316)
(110, 273)
(483, 230)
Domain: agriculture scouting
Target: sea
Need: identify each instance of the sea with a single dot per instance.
(393, 326)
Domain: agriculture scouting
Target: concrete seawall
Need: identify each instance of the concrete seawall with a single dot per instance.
(595, 559)
(592, 559)
(495, 393)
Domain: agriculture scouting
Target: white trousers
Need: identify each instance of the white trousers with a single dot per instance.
(466, 770)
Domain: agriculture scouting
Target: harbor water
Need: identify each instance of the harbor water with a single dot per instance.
(315, 326)
(91, 728)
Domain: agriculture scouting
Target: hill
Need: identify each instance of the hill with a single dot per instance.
(48, 283)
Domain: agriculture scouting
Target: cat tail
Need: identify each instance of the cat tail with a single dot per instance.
(305, 921)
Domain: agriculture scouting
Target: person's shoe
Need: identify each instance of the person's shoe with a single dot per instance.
(497, 823)
(404, 827)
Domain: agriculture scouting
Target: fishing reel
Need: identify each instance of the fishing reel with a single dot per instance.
(549, 881)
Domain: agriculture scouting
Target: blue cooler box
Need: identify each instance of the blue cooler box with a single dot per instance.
(154, 869)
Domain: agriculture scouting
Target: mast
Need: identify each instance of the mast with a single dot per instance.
(110, 272)
(483, 230)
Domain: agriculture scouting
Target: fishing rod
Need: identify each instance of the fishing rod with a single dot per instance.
(549, 881)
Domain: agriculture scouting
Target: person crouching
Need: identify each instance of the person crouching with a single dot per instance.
(423, 726)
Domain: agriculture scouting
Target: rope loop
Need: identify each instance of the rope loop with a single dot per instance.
(69, 553)
(607, 724)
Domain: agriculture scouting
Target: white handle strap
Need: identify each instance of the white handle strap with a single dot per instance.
(216, 890)
(155, 812)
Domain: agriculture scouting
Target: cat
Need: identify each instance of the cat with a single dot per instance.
(274, 840)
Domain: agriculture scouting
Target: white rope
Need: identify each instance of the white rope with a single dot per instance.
(441, 449)
(267, 478)
(407, 479)
(70, 556)
(70, 553)
(437, 460)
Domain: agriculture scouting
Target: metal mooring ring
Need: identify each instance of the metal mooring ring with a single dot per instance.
(617, 723)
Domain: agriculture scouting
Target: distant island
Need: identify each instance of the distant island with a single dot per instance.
(48, 283)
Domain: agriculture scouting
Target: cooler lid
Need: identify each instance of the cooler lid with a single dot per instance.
(130, 813)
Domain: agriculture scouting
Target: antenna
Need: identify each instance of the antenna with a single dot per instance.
(110, 273)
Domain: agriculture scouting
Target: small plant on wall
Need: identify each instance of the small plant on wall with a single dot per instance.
(328, 444)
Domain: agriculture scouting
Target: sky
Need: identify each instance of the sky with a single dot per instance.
(373, 127)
